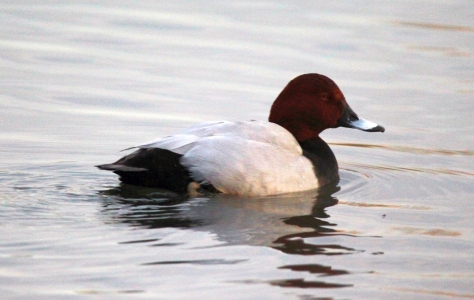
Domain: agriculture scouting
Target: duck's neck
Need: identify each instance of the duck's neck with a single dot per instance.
(323, 159)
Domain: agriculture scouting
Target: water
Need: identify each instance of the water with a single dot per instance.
(82, 80)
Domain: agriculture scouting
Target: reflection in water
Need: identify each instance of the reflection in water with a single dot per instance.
(285, 223)
(301, 283)
(148, 208)
(295, 244)
(281, 222)
(320, 270)
(316, 269)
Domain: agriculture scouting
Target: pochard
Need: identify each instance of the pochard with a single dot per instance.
(251, 158)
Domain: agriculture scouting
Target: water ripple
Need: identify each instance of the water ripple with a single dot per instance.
(435, 26)
(406, 169)
(413, 150)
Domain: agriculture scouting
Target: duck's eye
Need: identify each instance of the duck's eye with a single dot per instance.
(324, 97)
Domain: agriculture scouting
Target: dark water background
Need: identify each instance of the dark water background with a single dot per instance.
(82, 80)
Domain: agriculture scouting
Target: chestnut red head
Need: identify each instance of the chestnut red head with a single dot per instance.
(311, 103)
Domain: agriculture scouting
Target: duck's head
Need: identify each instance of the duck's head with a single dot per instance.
(311, 103)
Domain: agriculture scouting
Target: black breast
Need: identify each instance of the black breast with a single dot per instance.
(323, 159)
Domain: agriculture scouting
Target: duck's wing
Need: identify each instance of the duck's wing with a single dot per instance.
(258, 131)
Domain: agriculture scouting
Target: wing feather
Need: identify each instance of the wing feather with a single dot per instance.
(259, 131)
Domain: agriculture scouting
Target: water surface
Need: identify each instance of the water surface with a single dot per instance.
(82, 80)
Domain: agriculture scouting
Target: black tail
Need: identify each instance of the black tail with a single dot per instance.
(152, 168)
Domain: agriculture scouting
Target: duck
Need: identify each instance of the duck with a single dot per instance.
(251, 158)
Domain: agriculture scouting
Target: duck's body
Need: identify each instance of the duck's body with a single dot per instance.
(254, 158)
(246, 158)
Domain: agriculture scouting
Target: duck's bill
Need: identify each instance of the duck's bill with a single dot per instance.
(350, 119)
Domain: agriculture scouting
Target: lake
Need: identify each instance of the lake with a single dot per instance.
(83, 80)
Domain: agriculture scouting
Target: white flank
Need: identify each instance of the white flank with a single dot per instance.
(252, 158)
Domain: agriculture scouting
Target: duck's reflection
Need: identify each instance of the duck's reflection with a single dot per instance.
(147, 208)
(281, 222)
(288, 223)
